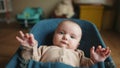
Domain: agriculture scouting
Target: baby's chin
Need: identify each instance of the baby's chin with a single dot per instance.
(62, 46)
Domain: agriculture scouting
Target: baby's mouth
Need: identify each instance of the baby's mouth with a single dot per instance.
(64, 42)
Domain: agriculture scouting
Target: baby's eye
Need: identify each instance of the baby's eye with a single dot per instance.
(61, 32)
(72, 37)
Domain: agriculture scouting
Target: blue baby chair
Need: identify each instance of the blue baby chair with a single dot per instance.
(43, 32)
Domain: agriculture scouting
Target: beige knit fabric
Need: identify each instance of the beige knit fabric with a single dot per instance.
(57, 54)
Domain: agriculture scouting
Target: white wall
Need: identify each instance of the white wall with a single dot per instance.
(46, 5)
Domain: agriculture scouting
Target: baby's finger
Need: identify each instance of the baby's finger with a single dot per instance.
(104, 50)
(107, 50)
(98, 49)
(19, 39)
(92, 50)
(108, 53)
(101, 49)
(26, 35)
(22, 34)
(32, 38)
(99, 46)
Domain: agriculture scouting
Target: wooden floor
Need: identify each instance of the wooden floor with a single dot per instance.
(112, 39)
(8, 43)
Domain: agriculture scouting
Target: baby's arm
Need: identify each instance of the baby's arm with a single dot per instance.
(100, 54)
(28, 43)
(35, 55)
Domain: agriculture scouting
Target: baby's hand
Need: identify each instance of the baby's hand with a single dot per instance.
(27, 40)
(100, 54)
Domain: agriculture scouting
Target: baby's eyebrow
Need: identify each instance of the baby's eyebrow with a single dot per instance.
(60, 30)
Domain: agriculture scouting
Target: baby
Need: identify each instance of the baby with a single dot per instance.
(64, 49)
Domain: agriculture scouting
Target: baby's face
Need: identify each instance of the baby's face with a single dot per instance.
(67, 35)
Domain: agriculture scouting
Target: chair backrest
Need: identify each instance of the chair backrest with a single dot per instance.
(44, 31)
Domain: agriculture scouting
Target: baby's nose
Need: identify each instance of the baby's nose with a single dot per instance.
(65, 37)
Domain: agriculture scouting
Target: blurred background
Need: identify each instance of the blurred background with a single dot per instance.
(18, 15)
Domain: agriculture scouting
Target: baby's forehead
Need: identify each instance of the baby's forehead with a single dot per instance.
(69, 23)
